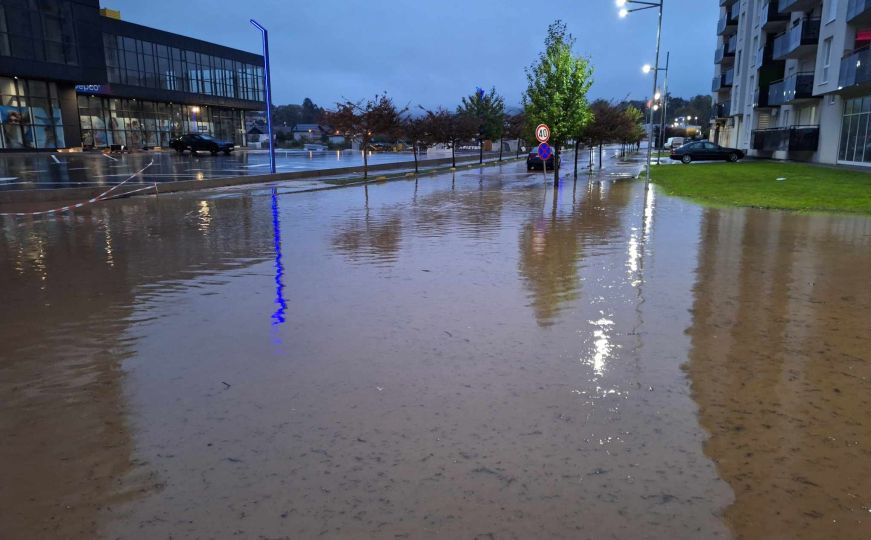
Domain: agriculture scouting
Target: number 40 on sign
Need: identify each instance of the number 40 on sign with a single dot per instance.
(542, 133)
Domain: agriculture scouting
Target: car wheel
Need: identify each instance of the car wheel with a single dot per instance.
(180, 150)
(686, 159)
(226, 152)
(213, 152)
(733, 157)
(193, 152)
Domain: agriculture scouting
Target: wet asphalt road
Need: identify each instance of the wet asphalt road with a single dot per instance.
(470, 355)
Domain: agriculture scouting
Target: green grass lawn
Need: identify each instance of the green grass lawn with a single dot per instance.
(755, 183)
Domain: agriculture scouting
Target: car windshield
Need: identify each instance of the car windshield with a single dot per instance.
(206, 137)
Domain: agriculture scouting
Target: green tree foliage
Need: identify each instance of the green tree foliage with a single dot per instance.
(557, 88)
(487, 111)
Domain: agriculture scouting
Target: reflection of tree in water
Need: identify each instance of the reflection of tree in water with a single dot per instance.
(552, 244)
(373, 237)
(475, 212)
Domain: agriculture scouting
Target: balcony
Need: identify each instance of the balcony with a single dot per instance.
(798, 86)
(776, 94)
(855, 68)
(787, 6)
(723, 81)
(722, 110)
(725, 54)
(859, 12)
(728, 22)
(771, 19)
(789, 139)
(798, 41)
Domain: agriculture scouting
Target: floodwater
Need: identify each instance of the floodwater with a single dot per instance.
(468, 356)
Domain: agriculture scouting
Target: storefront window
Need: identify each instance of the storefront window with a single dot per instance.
(140, 124)
(29, 115)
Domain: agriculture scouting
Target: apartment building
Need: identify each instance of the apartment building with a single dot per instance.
(793, 79)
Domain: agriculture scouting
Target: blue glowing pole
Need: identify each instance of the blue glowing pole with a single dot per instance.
(278, 316)
(268, 85)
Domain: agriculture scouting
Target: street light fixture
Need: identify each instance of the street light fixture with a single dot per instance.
(624, 11)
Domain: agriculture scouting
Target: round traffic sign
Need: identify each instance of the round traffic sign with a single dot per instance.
(544, 151)
(542, 133)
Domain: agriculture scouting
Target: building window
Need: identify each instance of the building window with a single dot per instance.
(855, 144)
(138, 124)
(827, 59)
(833, 9)
(29, 114)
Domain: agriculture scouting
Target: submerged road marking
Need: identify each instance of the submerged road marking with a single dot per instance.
(56, 160)
(110, 157)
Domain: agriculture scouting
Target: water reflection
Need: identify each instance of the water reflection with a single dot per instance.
(278, 316)
(70, 289)
(552, 243)
(780, 369)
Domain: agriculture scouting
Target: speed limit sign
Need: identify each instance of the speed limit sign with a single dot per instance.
(542, 133)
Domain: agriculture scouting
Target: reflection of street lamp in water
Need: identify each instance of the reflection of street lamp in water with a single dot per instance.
(195, 110)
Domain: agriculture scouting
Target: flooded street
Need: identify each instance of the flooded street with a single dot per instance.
(473, 355)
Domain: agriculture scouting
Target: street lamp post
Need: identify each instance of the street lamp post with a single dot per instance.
(624, 11)
(664, 105)
(268, 85)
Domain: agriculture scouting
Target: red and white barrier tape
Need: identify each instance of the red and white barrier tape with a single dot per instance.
(101, 197)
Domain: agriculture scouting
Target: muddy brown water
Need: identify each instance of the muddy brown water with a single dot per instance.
(469, 356)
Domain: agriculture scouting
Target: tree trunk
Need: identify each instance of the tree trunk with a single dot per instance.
(415, 158)
(480, 151)
(556, 164)
(453, 154)
(600, 154)
(366, 162)
(500, 148)
(517, 155)
(577, 147)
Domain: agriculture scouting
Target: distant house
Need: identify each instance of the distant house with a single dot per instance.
(309, 132)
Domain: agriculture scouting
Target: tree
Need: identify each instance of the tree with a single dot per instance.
(487, 110)
(416, 130)
(517, 128)
(363, 120)
(557, 89)
(310, 113)
(605, 127)
(450, 128)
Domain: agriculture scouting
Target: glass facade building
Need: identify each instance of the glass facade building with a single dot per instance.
(137, 62)
(71, 77)
(40, 30)
(855, 144)
(145, 124)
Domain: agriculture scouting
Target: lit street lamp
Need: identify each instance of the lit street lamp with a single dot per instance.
(624, 11)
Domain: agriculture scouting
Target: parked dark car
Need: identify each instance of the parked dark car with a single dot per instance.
(533, 162)
(705, 151)
(197, 141)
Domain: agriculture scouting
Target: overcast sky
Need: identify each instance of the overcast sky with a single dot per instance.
(432, 53)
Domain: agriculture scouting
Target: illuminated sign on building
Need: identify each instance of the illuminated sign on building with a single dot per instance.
(93, 89)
